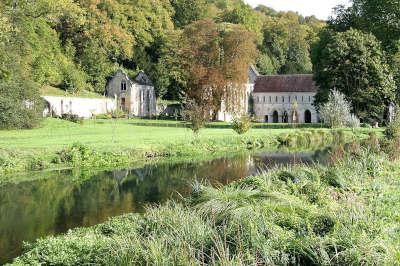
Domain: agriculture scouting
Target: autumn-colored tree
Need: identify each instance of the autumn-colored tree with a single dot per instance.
(216, 58)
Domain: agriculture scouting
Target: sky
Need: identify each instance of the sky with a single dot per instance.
(322, 9)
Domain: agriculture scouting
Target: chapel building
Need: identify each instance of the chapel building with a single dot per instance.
(135, 96)
(285, 99)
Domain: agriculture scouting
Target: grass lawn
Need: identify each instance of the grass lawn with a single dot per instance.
(114, 135)
(52, 91)
(116, 143)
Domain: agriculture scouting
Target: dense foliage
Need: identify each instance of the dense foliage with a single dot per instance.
(381, 19)
(78, 44)
(216, 59)
(353, 63)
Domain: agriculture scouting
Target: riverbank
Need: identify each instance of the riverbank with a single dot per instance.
(120, 143)
(343, 214)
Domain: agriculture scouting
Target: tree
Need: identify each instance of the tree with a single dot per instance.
(380, 17)
(216, 58)
(188, 11)
(336, 111)
(287, 40)
(353, 63)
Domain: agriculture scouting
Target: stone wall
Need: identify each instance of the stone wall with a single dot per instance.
(83, 107)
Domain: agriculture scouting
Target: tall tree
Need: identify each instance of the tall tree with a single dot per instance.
(353, 63)
(188, 11)
(216, 58)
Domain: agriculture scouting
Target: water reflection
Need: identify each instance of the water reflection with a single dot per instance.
(67, 199)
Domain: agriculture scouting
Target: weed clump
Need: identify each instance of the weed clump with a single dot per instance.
(241, 124)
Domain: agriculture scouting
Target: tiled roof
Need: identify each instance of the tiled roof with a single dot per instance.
(285, 83)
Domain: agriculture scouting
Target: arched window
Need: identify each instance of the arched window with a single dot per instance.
(275, 117)
(123, 85)
(266, 119)
(307, 117)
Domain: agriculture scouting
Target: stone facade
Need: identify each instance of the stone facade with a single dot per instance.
(135, 96)
(277, 99)
(285, 99)
(281, 107)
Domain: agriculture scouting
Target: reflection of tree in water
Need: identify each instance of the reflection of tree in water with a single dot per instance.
(52, 205)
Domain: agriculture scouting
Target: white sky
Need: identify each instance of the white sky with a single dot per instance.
(322, 9)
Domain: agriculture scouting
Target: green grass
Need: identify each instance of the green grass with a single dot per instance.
(116, 143)
(343, 214)
(52, 91)
(114, 135)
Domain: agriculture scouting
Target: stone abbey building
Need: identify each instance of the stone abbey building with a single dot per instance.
(285, 99)
(278, 98)
(135, 96)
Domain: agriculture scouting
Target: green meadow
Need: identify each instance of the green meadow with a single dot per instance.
(108, 143)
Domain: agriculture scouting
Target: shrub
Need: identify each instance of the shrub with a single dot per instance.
(353, 121)
(241, 124)
(72, 118)
(37, 164)
(196, 116)
(20, 104)
(118, 114)
(336, 112)
(392, 131)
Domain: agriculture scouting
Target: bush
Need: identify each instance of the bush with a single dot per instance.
(72, 118)
(241, 124)
(353, 121)
(336, 112)
(392, 131)
(118, 114)
(196, 116)
(20, 104)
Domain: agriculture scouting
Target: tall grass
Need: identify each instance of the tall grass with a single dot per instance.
(346, 213)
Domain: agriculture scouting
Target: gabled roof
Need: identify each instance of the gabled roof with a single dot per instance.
(143, 79)
(285, 83)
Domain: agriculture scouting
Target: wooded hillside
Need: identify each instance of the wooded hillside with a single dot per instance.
(76, 45)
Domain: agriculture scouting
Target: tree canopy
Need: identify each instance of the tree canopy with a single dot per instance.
(353, 63)
(77, 45)
(216, 58)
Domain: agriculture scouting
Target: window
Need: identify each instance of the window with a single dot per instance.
(302, 99)
(270, 99)
(276, 99)
(264, 98)
(309, 98)
(123, 85)
(283, 99)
